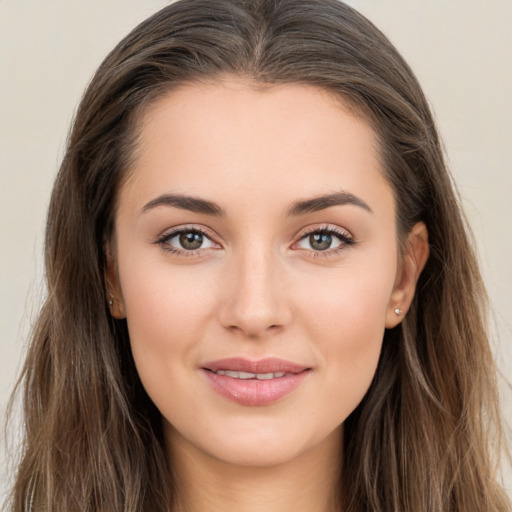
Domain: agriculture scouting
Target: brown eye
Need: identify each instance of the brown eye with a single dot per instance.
(191, 240)
(327, 239)
(185, 241)
(320, 241)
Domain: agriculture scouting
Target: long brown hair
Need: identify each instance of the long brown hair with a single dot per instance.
(420, 439)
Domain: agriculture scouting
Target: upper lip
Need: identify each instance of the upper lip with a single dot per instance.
(267, 365)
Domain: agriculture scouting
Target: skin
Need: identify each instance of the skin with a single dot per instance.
(258, 287)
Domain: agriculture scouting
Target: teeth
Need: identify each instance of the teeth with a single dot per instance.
(249, 375)
(264, 376)
(246, 375)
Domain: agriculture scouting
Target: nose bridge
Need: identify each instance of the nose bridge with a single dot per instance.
(255, 303)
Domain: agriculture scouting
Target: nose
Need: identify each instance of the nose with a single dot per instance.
(254, 301)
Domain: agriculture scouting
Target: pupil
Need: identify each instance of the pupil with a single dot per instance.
(320, 241)
(191, 241)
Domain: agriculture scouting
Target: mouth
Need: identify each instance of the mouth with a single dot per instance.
(269, 365)
(254, 383)
(248, 375)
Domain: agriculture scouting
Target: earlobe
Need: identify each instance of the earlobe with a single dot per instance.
(114, 295)
(413, 262)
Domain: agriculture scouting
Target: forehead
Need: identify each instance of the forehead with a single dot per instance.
(231, 136)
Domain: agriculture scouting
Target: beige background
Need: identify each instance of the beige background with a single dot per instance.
(460, 49)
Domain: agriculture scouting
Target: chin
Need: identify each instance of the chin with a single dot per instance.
(259, 455)
(258, 445)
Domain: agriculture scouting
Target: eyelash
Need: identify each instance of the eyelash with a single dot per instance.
(344, 237)
(163, 241)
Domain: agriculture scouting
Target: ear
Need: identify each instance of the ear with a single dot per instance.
(113, 288)
(413, 262)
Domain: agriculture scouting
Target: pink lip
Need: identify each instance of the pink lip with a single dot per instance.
(254, 391)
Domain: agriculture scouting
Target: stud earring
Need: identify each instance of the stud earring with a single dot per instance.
(398, 311)
(110, 302)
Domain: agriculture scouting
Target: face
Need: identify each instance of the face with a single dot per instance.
(256, 264)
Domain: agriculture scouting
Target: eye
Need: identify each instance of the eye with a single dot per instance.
(185, 240)
(326, 239)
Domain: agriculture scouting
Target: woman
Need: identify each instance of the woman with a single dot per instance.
(261, 293)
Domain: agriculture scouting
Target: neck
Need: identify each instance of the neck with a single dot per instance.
(308, 483)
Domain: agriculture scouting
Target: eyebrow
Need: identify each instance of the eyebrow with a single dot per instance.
(322, 202)
(192, 204)
(198, 205)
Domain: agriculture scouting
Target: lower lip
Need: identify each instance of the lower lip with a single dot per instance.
(254, 391)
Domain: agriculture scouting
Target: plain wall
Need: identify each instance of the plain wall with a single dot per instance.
(461, 51)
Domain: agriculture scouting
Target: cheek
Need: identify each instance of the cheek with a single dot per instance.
(163, 298)
(165, 312)
(347, 322)
(348, 303)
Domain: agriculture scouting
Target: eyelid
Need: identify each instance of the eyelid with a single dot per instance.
(331, 228)
(343, 233)
(344, 236)
(170, 233)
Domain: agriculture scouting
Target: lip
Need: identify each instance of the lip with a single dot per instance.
(267, 365)
(254, 392)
